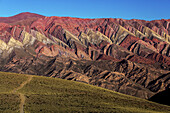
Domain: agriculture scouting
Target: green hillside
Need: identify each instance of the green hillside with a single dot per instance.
(33, 94)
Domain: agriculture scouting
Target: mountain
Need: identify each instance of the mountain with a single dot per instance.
(28, 93)
(127, 56)
(22, 18)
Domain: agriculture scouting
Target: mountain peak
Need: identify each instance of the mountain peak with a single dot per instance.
(18, 17)
(28, 14)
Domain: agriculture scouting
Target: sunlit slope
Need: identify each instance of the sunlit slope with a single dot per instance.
(44, 94)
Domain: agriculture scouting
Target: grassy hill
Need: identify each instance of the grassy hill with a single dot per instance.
(33, 94)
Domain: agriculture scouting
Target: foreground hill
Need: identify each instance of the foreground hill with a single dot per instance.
(28, 93)
(127, 56)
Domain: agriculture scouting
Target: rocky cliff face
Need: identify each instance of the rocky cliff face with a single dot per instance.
(128, 56)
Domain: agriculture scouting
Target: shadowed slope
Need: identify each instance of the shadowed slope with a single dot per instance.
(161, 97)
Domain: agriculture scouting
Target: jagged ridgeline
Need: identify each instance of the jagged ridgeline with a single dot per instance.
(127, 56)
